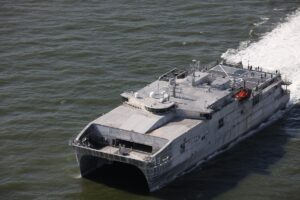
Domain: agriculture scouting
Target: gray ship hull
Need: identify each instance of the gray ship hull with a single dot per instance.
(89, 159)
(184, 134)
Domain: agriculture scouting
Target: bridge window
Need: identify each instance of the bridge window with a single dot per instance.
(182, 148)
(221, 123)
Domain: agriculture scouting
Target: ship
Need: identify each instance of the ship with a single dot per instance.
(182, 120)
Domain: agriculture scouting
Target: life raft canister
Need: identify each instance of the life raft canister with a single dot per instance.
(242, 94)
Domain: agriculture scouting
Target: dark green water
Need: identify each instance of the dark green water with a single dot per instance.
(63, 63)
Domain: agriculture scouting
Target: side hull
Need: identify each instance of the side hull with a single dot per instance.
(190, 164)
(200, 144)
(216, 140)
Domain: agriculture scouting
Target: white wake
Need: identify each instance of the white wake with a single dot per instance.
(276, 50)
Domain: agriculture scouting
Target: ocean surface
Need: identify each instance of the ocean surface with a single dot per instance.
(64, 63)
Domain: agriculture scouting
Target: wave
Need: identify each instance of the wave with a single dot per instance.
(276, 50)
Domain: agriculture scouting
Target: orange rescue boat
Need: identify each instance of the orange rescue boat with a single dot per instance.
(242, 94)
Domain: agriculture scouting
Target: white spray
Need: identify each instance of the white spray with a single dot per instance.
(277, 50)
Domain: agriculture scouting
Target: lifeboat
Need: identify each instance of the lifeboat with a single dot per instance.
(242, 94)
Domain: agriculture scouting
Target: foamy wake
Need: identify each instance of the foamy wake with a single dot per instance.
(277, 50)
(76, 176)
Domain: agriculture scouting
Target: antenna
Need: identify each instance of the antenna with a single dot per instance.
(234, 82)
(196, 64)
(248, 64)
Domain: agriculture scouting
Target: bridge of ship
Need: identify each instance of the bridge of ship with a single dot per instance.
(200, 91)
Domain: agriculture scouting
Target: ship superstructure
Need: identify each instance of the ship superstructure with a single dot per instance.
(181, 120)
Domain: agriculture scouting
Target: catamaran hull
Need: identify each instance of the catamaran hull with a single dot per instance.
(160, 175)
